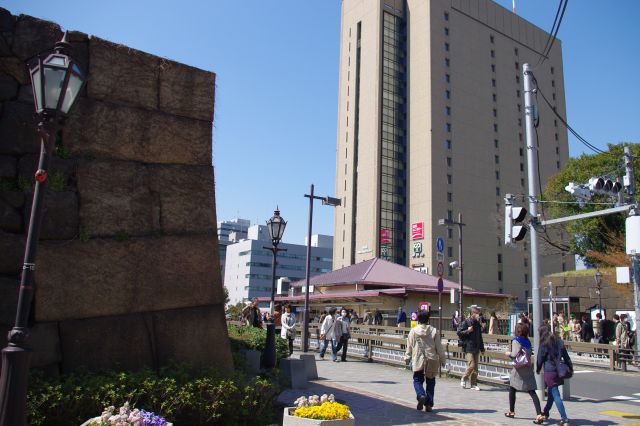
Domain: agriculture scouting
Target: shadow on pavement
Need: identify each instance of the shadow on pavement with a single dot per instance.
(371, 410)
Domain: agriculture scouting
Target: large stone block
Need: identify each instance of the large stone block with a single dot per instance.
(185, 195)
(115, 199)
(8, 299)
(12, 249)
(15, 68)
(8, 87)
(8, 167)
(196, 335)
(109, 277)
(10, 217)
(18, 129)
(123, 341)
(110, 131)
(33, 36)
(186, 91)
(45, 343)
(122, 74)
(59, 215)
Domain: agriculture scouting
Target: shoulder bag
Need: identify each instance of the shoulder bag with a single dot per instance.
(564, 372)
(522, 359)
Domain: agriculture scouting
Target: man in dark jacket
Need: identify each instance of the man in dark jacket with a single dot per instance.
(470, 334)
(586, 329)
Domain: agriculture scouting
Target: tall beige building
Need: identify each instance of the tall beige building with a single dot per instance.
(431, 124)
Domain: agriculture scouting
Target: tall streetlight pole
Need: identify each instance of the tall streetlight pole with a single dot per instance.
(56, 81)
(598, 277)
(460, 267)
(328, 201)
(276, 226)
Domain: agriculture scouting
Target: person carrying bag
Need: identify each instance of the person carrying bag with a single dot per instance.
(425, 353)
(553, 356)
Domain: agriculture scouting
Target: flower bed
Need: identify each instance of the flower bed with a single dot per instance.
(318, 411)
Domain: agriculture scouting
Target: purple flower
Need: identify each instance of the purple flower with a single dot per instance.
(150, 419)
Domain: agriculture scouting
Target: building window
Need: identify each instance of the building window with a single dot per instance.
(518, 79)
(448, 143)
(518, 66)
(497, 175)
(564, 267)
(449, 233)
(446, 31)
(555, 123)
(493, 53)
(491, 39)
(447, 110)
(553, 83)
(558, 165)
(551, 70)
(450, 271)
(522, 182)
(521, 152)
(447, 94)
(499, 275)
(526, 278)
(526, 262)
(522, 167)
(556, 136)
(493, 68)
(553, 96)
(495, 143)
(495, 127)
(448, 161)
(519, 108)
(499, 258)
(497, 159)
(557, 150)
(515, 51)
(520, 122)
(498, 191)
(449, 197)
(493, 82)
(447, 62)
(495, 112)
(446, 17)
(518, 93)
(449, 179)
(450, 214)
(495, 98)
(447, 78)
(520, 137)
(446, 47)
(450, 251)
(448, 127)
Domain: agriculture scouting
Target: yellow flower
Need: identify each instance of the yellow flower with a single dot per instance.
(326, 411)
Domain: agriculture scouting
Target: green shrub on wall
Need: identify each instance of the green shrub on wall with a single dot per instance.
(176, 393)
(243, 337)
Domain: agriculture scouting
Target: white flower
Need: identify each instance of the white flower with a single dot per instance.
(332, 398)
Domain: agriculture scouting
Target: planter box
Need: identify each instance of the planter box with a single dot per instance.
(290, 420)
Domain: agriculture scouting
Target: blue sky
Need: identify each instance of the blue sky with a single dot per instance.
(277, 76)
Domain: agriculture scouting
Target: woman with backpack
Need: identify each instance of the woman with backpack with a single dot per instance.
(424, 351)
(521, 377)
(553, 356)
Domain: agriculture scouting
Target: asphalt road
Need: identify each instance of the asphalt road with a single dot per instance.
(604, 386)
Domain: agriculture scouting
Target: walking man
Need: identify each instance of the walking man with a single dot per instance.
(470, 334)
(401, 320)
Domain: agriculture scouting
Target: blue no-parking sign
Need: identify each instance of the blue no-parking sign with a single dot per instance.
(440, 244)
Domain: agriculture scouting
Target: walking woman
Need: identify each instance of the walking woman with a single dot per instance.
(424, 350)
(344, 323)
(552, 351)
(328, 333)
(493, 324)
(521, 378)
(288, 331)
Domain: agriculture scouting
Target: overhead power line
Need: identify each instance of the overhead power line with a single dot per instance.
(562, 6)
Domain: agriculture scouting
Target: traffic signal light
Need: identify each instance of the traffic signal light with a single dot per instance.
(514, 228)
(604, 186)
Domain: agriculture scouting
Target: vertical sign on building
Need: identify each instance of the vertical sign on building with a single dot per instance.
(417, 230)
(385, 236)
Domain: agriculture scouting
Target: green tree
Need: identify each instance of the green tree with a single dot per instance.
(225, 293)
(601, 239)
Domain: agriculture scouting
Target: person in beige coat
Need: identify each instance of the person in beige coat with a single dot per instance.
(424, 351)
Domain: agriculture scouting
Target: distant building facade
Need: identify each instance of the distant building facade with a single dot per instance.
(248, 263)
(229, 232)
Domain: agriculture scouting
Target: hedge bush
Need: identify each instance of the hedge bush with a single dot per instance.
(181, 396)
(245, 337)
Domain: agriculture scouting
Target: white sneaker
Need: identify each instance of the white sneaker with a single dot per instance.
(463, 384)
(476, 388)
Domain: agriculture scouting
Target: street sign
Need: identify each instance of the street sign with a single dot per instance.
(440, 244)
(414, 316)
(440, 257)
(417, 230)
(425, 306)
(440, 285)
(440, 269)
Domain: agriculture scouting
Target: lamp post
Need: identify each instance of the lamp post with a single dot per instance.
(56, 80)
(460, 267)
(327, 201)
(275, 226)
(598, 277)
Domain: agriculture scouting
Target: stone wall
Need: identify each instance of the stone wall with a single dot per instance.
(614, 296)
(127, 267)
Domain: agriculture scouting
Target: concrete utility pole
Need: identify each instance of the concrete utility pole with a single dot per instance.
(630, 183)
(532, 174)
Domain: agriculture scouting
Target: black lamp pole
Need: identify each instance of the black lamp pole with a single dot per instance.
(329, 201)
(276, 226)
(56, 82)
(598, 277)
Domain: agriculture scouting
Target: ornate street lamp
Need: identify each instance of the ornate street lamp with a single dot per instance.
(275, 226)
(56, 80)
(598, 277)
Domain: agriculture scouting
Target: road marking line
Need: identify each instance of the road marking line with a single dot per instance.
(630, 416)
(583, 371)
(637, 394)
(623, 397)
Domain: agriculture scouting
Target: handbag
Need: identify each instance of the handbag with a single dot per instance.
(564, 372)
(522, 359)
(291, 334)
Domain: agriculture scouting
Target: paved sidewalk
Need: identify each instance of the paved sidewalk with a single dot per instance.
(380, 394)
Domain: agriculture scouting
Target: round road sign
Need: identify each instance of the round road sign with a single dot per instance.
(440, 285)
(440, 269)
